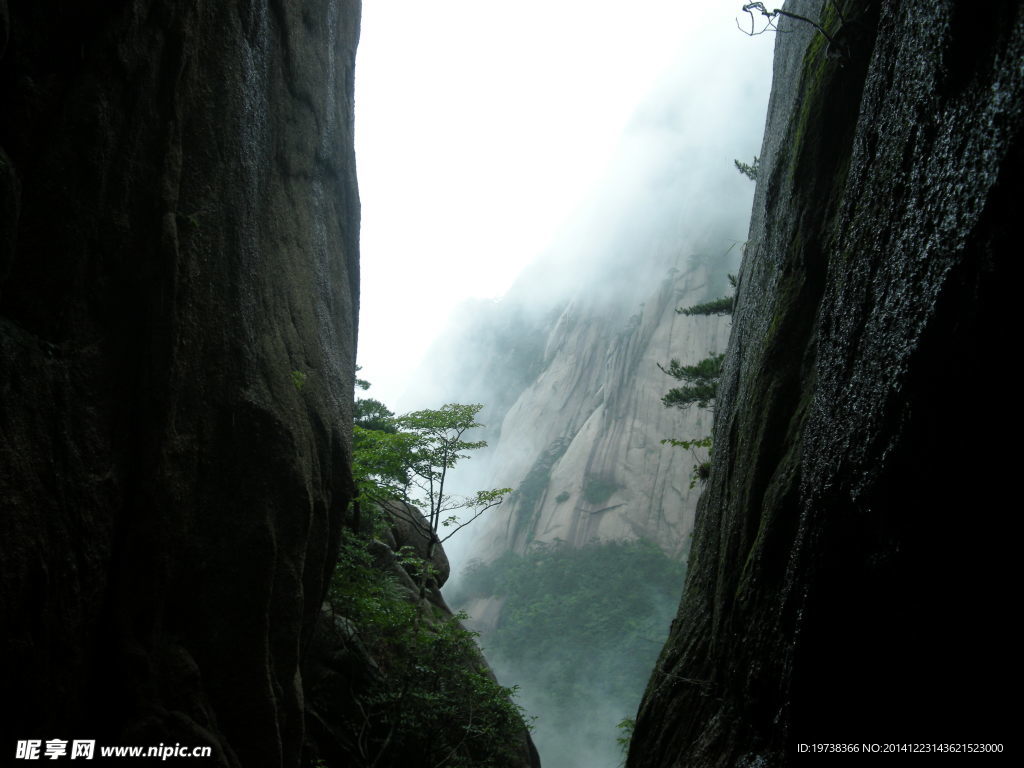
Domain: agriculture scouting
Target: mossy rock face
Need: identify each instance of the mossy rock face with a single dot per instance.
(879, 274)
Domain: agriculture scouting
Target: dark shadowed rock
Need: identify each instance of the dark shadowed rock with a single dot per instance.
(849, 579)
(178, 280)
(409, 528)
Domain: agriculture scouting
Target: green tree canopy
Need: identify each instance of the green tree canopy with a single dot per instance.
(410, 458)
(373, 414)
(701, 382)
(439, 444)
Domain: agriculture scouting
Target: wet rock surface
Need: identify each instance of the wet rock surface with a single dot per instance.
(849, 580)
(178, 291)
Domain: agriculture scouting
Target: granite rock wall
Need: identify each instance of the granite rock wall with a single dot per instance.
(178, 299)
(852, 560)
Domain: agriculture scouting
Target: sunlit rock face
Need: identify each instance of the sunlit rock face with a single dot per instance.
(849, 579)
(178, 277)
(581, 446)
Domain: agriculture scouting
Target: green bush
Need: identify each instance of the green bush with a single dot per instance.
(433, 702)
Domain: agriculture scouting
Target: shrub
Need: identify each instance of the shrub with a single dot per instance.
(434, 701)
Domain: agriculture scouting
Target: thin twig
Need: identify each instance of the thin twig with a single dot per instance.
(749, 8)
(467, 522)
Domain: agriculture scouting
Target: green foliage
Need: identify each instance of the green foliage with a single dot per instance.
(380, 463)
(562, 497)
(373, 414)
(702, 465)
(298, 380)
(430, 700)
(707, 371)
(439, 445)
(433, 701)
(626, 728)
(701, 382)
(722, 306)
(750, 171)
(580, 625)
(409, 457)
(597, 489)
(701, 395)
(701, 442)
(361, 383)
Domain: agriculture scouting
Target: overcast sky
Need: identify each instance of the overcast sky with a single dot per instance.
(482, 126)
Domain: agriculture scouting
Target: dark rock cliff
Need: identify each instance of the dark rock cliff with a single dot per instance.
(178, 290)
(850, 575)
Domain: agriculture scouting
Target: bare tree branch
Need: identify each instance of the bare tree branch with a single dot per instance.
(462, 525)
(771, 17)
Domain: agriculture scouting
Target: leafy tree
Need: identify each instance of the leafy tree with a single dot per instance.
(409, 458)
(431, 699)
(380, 463)
(438, 444)
(373, 414)
(701, 382)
